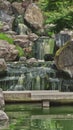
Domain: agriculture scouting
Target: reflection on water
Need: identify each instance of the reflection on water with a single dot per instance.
(33, 117)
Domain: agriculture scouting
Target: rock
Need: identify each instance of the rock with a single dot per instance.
(4, 27)
(23, 29)
(23, 37)
(10, 33)
(64, 58)
(2, 103)
(25, 4)
(62, 37)
(33, 37)
(6, 19)
(6, 6)
(3, 116)
(17, 8)
(33, 16)
(4, 124)
(31, 60)
(22, 43)
(8, 51)
(3, 67)
(22, 59)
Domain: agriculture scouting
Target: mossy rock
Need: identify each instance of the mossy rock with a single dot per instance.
(64, 56)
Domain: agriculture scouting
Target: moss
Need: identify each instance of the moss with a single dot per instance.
(21, 52)
(62, 48)
(6, 38)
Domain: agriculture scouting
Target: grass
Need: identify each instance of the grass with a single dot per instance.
(6, 38)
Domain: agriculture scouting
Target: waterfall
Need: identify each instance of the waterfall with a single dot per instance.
(63, 37)
(37, 83)
(23, 29)
(44, 77)
(44, 45)
(21, 83)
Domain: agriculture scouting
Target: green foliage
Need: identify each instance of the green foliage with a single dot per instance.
(21, 52)
(5, 37)
(59, 13)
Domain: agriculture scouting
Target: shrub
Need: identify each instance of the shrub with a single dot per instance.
(59, 13)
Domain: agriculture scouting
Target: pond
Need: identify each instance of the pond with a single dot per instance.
(33, 117)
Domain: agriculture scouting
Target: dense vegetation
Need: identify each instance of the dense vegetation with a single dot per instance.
(58, 13)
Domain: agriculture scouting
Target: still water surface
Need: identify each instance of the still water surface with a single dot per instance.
(33, 117)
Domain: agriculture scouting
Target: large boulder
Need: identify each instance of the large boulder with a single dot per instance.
(3, 67)
(5, 6)
(33, 16)
(17, 8)
(33, 37)
(3, 116)
(21, 40)
(4, 27)
(64, 58)
(8, 51)
(2, 103)
(6, 19)
(22, 43)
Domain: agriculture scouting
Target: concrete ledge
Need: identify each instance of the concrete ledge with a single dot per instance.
(43, 95)
(28, 95)
(17, 96)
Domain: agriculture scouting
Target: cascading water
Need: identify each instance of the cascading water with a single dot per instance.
(63, 37)
(44, 45)
(42, 76)
(21, 77)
